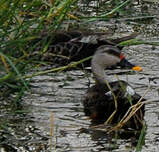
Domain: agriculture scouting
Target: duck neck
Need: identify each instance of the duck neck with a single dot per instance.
(99, 73)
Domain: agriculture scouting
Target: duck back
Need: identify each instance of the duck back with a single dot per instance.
(66, 47)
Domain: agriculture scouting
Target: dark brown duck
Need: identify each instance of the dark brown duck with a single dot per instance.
(99, 102)
(66, 47)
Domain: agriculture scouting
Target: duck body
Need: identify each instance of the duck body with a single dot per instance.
(99, 101)
(66, 47)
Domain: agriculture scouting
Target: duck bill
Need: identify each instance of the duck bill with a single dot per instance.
(137, 68)
(126, 64)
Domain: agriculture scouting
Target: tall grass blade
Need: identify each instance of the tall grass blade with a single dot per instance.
(141, 138)
(15, 69)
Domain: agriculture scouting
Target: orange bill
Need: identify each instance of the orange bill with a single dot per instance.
(137, 68)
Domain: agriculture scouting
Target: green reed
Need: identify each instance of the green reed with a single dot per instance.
(21, 22)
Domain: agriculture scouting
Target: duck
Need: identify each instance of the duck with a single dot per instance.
(99, 102)
(71, 46)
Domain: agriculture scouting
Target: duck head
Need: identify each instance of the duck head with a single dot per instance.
(107, 56)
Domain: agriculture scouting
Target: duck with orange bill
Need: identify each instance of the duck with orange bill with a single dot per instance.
(99, 102)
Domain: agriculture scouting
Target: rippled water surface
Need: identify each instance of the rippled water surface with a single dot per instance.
(59, 95)
(54, 104)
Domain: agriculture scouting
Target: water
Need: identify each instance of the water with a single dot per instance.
(59, 96)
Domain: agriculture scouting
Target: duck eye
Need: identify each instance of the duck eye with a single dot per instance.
(121, 56)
